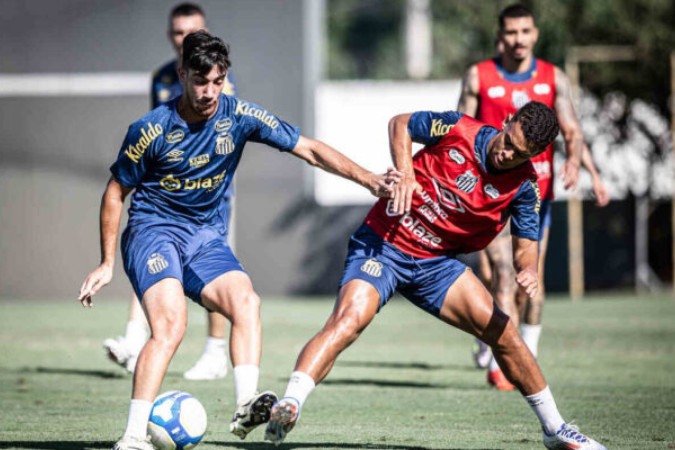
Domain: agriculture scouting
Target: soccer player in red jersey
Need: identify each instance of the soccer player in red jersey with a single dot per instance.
(492, 90)
(454, 196)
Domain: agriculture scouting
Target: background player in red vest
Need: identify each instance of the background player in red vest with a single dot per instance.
(454, 196)
(492, 90)
(184, 19)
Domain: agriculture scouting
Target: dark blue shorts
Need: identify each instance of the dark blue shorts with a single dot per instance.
(194, 255)
(424, 282)
(544, 217)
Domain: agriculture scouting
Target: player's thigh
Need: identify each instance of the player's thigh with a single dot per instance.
(231, 294)
(500, 255)
(543, 250)
(166, 308)
(469, 306)
(357, 304)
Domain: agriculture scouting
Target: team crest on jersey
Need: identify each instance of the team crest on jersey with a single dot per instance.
(224, 144)
(466, 182)
(174, 155)
(456, 156)
(519, 99)
(496, 92)
(156, 263)
(542, 89)
(175, 137)
(372, 267)
(223, 125)
(491, 191)
(199, 161)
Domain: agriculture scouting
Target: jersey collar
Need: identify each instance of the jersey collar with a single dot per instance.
(516, 77)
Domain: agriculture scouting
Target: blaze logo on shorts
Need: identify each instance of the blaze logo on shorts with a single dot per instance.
(156, 263)
(372, 267)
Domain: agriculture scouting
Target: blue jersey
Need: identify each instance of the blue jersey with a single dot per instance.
(166, 85)
(181, 171)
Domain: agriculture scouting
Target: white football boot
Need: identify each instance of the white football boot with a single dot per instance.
(481, 354)
(568, 437)
(122, 352)
(129, 443)
(285, 415)
(208, 367)
(255, 411)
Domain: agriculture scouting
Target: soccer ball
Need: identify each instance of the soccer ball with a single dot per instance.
(177, 421)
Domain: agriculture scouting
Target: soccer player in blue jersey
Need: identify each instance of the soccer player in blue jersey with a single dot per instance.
(455, 196)
(184, 19)
(178, 160)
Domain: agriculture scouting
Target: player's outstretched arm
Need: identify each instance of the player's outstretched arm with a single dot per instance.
(400, 146)
(570, 128)
(525, 259)
(323, 156)
(599, 188)
(112, 205)
(468, 98)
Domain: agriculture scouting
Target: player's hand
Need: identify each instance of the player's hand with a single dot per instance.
(380, 185)
(570, 174)
(528, 280)
(600, 192)
(93, 283)
(403, 191)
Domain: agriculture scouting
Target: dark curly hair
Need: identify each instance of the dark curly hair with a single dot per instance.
(202, 51)
(539, 124)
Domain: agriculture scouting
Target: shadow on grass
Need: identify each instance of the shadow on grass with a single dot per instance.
(106, 374)
(57, 445)
(326, 445)
(404, 365)
(400, 384)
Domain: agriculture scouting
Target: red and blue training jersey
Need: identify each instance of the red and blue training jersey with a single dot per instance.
(501, 93)
(464, 202)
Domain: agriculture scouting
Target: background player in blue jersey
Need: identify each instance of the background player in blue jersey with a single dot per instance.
(184, 19)
(179, 160)
(454, 197)
(490, 91)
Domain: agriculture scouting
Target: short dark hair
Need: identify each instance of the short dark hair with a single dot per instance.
(539, 124)
(186, 9)
(202, 51)
(512, 12)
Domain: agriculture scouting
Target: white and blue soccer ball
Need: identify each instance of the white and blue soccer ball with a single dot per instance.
(177, 421)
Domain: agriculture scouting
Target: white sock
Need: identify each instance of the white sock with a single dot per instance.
(215, 347)
(245, 382)
(544, 407)
(493, 364)
(137, 423)
(300, 385)
(530, 334)
(136, 334)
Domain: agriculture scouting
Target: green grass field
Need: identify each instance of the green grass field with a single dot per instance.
(408, 383)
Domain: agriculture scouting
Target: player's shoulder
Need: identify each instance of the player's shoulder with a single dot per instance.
(155, 120)
(167, 70)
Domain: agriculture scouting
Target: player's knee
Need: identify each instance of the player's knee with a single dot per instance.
(496, 328)
(504, 279)
(169, 333)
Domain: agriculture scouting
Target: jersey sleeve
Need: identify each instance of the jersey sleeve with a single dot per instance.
(428, 127)
(525, 211)
(263, 126)
(134, 157)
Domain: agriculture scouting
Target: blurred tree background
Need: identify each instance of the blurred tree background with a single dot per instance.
(365, 39)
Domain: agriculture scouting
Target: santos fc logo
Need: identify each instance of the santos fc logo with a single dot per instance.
(156, 263)
(372, 267)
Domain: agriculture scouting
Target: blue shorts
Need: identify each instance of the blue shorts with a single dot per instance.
(194, 255)
(544, 217)
(424, 282)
